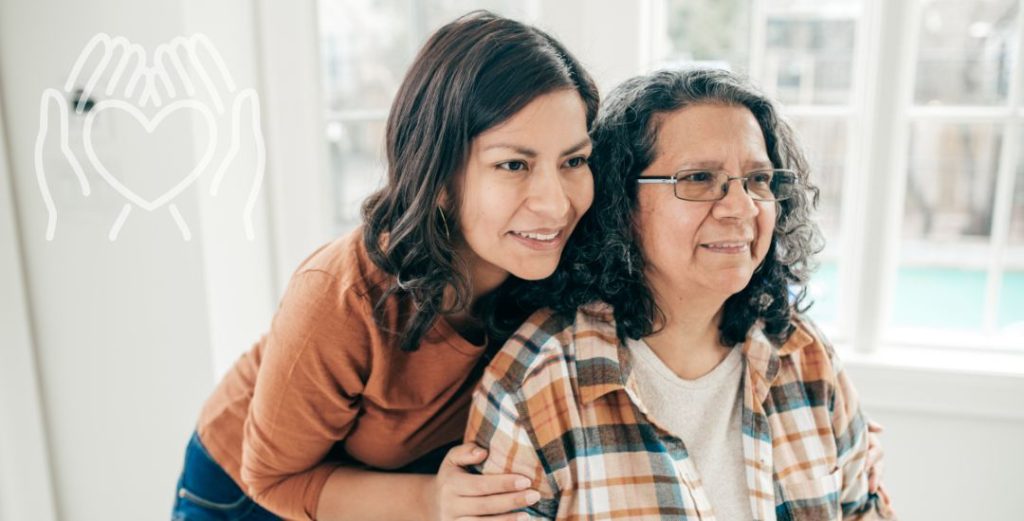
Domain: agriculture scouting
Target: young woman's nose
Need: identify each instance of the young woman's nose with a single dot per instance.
(548, 195)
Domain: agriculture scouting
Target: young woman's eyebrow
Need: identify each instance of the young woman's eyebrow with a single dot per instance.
(585, 142)
(531, 153)
(528, 152)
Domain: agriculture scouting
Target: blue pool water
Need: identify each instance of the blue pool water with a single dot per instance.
(945, 298)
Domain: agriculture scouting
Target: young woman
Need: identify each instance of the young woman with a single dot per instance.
(674, 376)
(348, 406)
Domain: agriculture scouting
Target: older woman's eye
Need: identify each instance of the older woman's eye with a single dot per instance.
(512, 166)
(697, 178)
(576, 162)
(761, 178)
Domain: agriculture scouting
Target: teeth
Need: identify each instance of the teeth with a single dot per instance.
(537, 236)
(727, 245)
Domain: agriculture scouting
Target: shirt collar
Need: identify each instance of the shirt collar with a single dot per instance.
(604, 365)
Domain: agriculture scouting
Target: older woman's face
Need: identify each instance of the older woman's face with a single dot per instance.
(705, 248)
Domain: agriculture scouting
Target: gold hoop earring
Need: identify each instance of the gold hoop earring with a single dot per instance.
(447, 233)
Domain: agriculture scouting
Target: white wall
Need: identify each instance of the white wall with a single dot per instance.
(25, 490)
(954, 438)
(126, 333)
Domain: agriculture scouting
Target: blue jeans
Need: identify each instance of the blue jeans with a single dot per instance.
(207, 493)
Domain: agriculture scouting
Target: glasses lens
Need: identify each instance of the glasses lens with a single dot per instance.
(783, 184)
(699, 185)
(771, 185)
(760, 184)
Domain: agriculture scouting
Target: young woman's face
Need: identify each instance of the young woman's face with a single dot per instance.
(706, 247)
(525, 186)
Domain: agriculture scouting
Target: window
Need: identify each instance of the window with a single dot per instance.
(959, 277)
(958, 236)
(954, 272)
(366, 47)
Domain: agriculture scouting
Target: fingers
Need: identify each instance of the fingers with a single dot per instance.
(128, 70)
(875, 451)
(875, 427)
(465, 484)
(94, 52)
(511, 516)
(498, 503)
(465, 455)
(209, 64)
(874, 457)
(875, 472)
(191, 67)
(171, 71)
(259, 151)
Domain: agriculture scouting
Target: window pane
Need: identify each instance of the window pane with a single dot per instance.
(1011, 295)
(809, 61)
(939, 297)
(1011, 303)
(824, 142)
(715, 31)
(951, 181)
(355, 155)
(435, 13)
(964, 51)
(1017, 214)
(366, 46)
(823, 290)
(946, 226)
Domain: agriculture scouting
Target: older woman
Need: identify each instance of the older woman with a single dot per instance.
(674, 377)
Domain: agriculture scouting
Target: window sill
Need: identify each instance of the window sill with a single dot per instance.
(972, 383)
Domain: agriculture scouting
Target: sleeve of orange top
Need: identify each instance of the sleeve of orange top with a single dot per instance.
(307, 392)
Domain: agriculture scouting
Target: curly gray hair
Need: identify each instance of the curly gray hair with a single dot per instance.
(603, 260)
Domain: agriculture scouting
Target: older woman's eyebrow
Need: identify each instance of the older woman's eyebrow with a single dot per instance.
(714, 165)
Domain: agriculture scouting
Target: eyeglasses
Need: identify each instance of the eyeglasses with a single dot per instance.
(713, 185)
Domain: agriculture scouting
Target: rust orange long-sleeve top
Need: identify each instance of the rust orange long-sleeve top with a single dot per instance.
(326, 386)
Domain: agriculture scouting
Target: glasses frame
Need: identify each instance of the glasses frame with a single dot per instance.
(674, 181)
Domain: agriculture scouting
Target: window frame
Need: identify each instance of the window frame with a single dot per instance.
(878, 118)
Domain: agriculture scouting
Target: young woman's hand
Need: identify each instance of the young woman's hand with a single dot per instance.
(876, 456)
(456, 494)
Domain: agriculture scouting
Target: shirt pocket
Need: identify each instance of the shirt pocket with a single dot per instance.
(811, 499)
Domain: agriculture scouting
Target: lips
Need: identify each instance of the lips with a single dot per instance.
(540, 238)
(731, 246)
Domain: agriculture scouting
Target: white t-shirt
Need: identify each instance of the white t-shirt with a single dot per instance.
(705, 414)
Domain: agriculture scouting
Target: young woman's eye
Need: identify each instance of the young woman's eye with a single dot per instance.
(513, 166)
(576, 162)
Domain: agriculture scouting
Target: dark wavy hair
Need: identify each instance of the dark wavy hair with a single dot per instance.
(603, 259)
(471, 75)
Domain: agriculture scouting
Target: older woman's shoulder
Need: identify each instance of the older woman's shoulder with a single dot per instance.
(543, 350)
(810, 349)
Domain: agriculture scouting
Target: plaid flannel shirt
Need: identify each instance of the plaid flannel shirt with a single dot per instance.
(559, 403)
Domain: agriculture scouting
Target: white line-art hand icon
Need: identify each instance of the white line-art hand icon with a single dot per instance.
(167, 86)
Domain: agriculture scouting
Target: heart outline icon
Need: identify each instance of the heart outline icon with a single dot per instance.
(150, 125)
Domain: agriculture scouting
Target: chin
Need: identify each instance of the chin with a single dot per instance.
(735, 283)
(534, 273)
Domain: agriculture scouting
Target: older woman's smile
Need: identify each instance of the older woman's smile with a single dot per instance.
(731, 247)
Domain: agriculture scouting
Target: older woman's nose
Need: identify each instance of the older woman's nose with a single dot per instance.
(736, 204)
